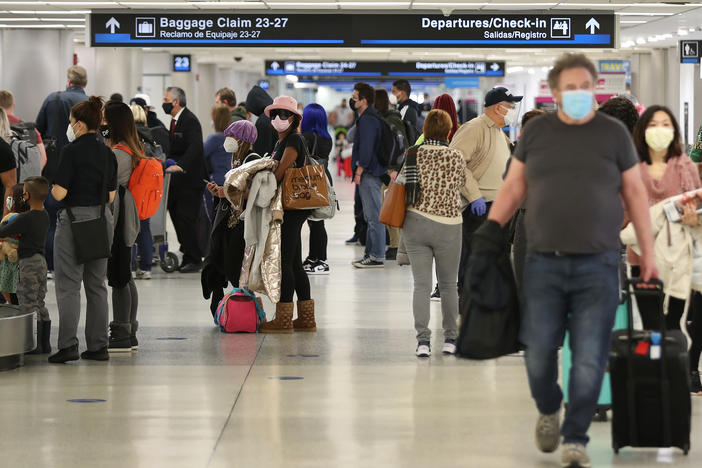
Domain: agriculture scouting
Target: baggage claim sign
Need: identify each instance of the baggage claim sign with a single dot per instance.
(487, 29)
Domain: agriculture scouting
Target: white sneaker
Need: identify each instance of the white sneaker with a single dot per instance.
(146, 275)
(138, 274)
(575, 456)
(449, 347)
(423, 349)
(49, 275)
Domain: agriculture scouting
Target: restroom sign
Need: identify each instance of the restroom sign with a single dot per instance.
(690, 51)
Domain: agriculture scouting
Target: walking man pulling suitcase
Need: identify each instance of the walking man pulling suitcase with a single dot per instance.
(574, 165)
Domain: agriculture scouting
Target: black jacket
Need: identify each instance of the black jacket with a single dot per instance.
(187, 150)
(152, 121)
(256, 102)
(489, 303)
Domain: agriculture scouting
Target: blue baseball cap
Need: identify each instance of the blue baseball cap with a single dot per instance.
(500, 94)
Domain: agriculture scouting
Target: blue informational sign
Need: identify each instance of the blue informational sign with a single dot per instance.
(385, 69)
(181, 63)
(264, 84)
(690, 51)
(562, 29)
(469, 82)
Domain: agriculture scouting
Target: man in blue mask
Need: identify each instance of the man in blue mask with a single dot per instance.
(576, 166)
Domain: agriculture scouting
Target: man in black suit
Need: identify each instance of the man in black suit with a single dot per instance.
(185, 196)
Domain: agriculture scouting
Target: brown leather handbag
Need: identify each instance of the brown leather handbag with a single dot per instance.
(392, 212)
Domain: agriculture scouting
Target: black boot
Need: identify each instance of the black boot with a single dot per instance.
(119, 337)
(133, 338)
(40, 337)
(65, 355)
(696, 385)
(45, 337)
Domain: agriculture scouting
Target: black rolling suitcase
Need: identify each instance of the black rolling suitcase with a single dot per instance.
(650, 397)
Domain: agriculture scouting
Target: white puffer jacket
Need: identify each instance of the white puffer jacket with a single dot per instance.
(673, 249)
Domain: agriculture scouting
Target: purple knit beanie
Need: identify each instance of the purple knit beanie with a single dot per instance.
(242, 130)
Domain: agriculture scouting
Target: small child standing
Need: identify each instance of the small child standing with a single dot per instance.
(32, 227)
(8, 247)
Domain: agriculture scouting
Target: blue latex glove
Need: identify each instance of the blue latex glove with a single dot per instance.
(478, 207)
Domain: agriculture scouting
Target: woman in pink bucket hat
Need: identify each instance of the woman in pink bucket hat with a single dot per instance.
(290, 152)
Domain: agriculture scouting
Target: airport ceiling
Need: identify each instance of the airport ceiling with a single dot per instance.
(644, 24)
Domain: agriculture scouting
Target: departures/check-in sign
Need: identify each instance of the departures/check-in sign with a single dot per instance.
(384, 69)
(487, 29)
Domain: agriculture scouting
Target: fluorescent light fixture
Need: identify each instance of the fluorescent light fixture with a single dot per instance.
(292, 78)
(627, 44)
(65, 20)
(692, 29)
(531, 71)
(41, 26)
(253, 3)
(84, 4)
(652, 38)
(620, 13)
(184, 4)
(370, 51)
(626, 5)
(49, 12)
(449, 4)
(515, 69)
(640, 40)
(633, 21)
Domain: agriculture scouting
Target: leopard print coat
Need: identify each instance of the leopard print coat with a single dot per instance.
(441, 172)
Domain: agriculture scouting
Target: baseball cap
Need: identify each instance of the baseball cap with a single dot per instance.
(500, 94)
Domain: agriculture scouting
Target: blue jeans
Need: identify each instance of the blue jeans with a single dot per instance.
(580, 294)
(371, 196)
(144, 246)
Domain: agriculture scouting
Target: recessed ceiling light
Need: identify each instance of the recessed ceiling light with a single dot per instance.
(640, 41)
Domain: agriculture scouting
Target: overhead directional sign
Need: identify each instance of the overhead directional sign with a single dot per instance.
(229, 29)
(389, 69)
(690, 51)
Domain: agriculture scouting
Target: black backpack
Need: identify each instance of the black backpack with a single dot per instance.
(388, 143)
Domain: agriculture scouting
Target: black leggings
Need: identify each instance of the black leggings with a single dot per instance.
(318, 240)
(294, 278)
(694, 327)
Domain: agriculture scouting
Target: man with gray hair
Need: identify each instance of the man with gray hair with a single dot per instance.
(185, 195)
(52, 123)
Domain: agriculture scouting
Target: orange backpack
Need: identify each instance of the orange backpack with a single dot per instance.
(146, 184)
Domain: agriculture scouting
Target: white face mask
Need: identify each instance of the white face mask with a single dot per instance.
(659, 138)
(231, 145)
(70, 134)
(511, 116)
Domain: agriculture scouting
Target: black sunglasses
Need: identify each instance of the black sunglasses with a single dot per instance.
(282, 113)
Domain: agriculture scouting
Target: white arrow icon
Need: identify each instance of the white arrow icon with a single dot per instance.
(494, 67)
(275, 65)
(592, 25)
(112, 24)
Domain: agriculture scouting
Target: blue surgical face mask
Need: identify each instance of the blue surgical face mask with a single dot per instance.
(577, 104)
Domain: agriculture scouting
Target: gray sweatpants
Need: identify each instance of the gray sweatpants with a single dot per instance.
(69, 276)
(31, 287)
(428, 241)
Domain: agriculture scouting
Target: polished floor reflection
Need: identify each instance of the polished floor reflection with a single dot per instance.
(351, 395)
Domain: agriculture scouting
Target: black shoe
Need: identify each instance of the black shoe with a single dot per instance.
(436, 295)
(99, 355)
(190, 268)
(120, 341)
(696, 386)
(40, 335)
(65, 355)
(134, 342)
(353, 240)
(391, 254)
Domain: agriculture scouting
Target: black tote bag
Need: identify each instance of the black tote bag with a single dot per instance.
(90, 237)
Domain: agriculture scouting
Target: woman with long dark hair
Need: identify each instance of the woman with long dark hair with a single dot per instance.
(86, 169)
(125, 142)
(290, 152)
(319, 143)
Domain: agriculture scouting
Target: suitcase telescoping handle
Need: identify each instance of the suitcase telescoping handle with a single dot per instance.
(652, 288)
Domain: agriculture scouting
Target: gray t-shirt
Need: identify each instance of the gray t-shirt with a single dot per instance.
(574, 182)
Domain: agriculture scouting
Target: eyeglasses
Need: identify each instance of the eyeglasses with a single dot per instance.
(282, 113)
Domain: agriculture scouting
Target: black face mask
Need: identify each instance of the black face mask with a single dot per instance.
(352, 104)
(167, 107)
(105, 132)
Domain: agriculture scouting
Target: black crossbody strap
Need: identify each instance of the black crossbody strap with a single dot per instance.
(57, 116)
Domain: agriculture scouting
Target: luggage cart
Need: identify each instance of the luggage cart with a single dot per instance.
(167, 260)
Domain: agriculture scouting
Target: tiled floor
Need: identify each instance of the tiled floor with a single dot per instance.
(193, 397)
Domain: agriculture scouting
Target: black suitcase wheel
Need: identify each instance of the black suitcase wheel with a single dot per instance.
(169, 264)
(601, 415)
(686, 449)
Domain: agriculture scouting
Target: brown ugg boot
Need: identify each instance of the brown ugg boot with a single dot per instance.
(282, 323)
(305, 317)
